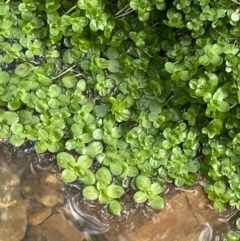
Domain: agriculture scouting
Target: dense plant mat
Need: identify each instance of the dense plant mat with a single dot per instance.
(141, 92)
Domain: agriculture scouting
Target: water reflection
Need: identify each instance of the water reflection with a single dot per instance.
(206, 233)
(88, 221)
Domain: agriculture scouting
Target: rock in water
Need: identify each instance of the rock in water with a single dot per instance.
(187, 216)
(13, 214)
(57, 228)
(45, 188)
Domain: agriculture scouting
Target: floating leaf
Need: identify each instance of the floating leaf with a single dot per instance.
(88, 178)
(23, 69)
(85, 161)
(68, 175)
(113, 66)
(25, 117)
(10, 117)
(104, 175)
(140, 197)
(157, 203)
(114, 191)
(90, 192)
(17, 141)
(63, 158)
(143, 182)
(4, 77)
(94, 148)
(69, 81)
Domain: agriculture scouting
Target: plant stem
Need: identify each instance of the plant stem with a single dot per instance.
(8, 1)
(64, 72)
(235, 2)
(233, 106)
(224, 35)
(70, 10)
(124, 14)
(122, 10)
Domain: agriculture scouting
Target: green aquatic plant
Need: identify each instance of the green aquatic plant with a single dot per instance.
(76, 169)
(233, 236)
(141, 92)
(105, 191)
(148, 192)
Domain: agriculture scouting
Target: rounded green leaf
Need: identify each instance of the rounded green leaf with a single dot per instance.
(112, 53)
(140, 197)
(193, 166)
(94, 148)
(23, 69)
(54, 90)
(216, 60)
(114, 207)
(170, 67)
(69, 81)
(84, 161)
(104, 175)
(219, 187)
(143, 182)
(238, 223)
(157, 203)
(63, 158)
(166, 144)
(116, 169)
(14, 104)
(4, 131)
(223, 106)
(29, 98)
(17, 141)
(40, 147)
(156, 188)
(204, 60)
(113, 66)
(56, 134)
(44, 80)
(219, 206)
(70, 144)
(53, 147)
(31, 135)
(132, 171)
(25, 117)
(68, 175)
(10, 117)
(53, 103)
(90, 192)
(114, 191)
(103, 198)
(16, 128)
(88, 178)
(98, 134)
(4, 77)
(63, 100)
(179, 181)
(43, 134)
(233, 236)
(67, 55)
(4, 8)
(41, 106)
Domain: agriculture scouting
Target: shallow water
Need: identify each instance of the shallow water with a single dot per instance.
(91, 218)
